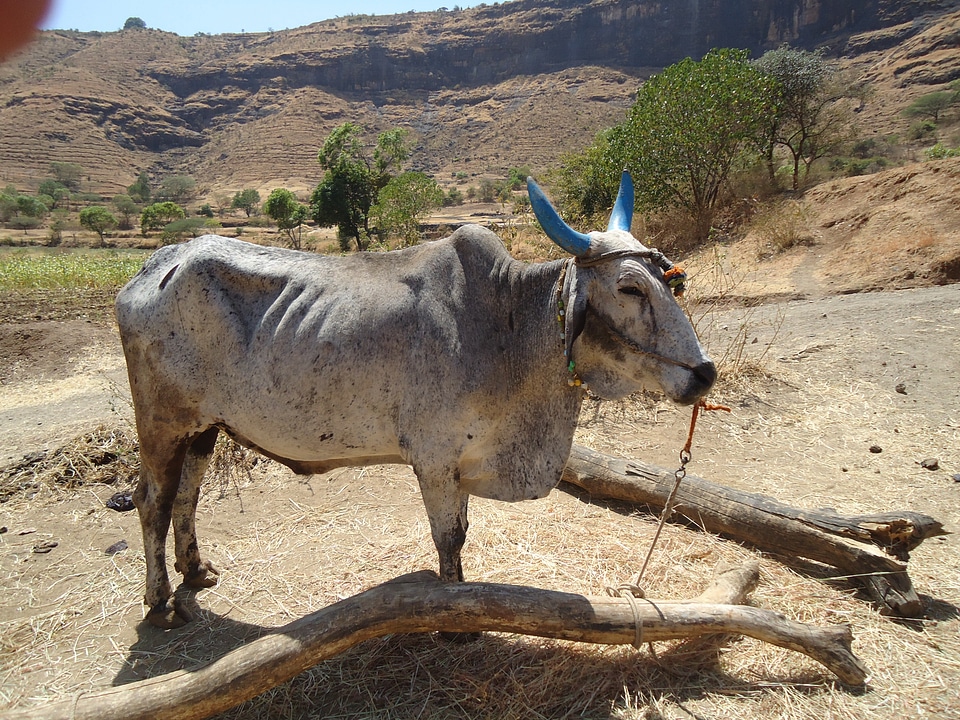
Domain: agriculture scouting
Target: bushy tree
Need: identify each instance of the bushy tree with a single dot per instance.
(352, 179)
(688, 127)
(134, 23)
(97, 219)
(932, 105)
(404, 202)
(177, 188)
(487, 192)
(55, 190)
(247, 200)
(140, 190)
(585, 184)
(516, 177)
(127, 210)
(453, 197)
(158, 215)
(23, 212)
(8, 203)
(67, 173)
(809, 118)
(284, 209)
(184, 228)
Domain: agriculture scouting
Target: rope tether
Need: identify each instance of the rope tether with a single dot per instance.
(633, 591)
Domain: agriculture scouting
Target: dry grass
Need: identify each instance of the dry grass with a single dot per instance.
(105, 455)
(780, 226)
(70, 619)
(302, 545)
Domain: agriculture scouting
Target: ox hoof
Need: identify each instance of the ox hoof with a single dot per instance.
(205, 577)
(168, 616)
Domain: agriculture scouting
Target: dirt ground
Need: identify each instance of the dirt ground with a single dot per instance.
(819, 380)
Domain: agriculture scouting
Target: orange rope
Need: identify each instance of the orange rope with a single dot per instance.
(701, 405)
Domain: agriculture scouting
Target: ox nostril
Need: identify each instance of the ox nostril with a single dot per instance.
(706, 372)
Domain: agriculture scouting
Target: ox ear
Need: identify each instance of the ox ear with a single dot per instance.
(622, 216)
(576, 316)
(575, 243)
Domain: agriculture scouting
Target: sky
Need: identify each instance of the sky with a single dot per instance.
(189, 17)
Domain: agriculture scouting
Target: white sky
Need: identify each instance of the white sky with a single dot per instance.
(188, 17)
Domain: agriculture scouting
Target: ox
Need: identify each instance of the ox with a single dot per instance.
(447, 357)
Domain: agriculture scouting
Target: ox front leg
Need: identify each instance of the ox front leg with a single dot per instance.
(197, 574)
(446, 509)
(160, 467)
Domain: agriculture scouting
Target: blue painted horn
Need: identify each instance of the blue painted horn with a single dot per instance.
(578, 243)
(622, 216)
(575, 243)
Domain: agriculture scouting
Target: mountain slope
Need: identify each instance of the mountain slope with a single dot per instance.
(481, 90)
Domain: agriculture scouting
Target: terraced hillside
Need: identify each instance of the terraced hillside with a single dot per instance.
(482, 90)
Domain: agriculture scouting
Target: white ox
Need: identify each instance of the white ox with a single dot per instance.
(447, 356)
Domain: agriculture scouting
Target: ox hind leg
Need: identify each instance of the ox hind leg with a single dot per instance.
(161, 463)
(197, 574)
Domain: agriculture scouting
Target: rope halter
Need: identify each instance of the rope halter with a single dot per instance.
(673, 275)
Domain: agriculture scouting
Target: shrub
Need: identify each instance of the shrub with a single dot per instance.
(185, 227)
(940, 151)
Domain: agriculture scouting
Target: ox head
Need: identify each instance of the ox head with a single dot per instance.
(623, 328)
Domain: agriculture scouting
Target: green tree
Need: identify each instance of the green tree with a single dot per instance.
(488, 191)
(404, 202)
(247, 200)
(809, 118)
(134, 23)
(177, 188)
(140, 190)
(932, 105)
(688, 127)
(23, 212)
(8, 203)
(453, 197)
(283, 208)
(97, 219)
(55, 190)
(127, 209)
(352, 179)
(586, 182)
(184, 227)
(158, 215)
(517, 178)
(68, 174)
(389, 155)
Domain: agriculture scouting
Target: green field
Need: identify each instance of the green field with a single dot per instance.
(92, 269)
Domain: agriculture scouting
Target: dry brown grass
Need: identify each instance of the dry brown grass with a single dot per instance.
(102, 456)
(302, 545)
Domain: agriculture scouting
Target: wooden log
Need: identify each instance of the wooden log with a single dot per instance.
(420, 603)
(851, 545)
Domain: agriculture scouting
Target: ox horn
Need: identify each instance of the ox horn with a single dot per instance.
(575, 243)
(622, 216)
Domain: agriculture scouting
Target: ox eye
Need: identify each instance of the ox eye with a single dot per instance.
(631, 290)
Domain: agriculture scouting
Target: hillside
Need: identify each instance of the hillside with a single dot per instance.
(482, 89)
